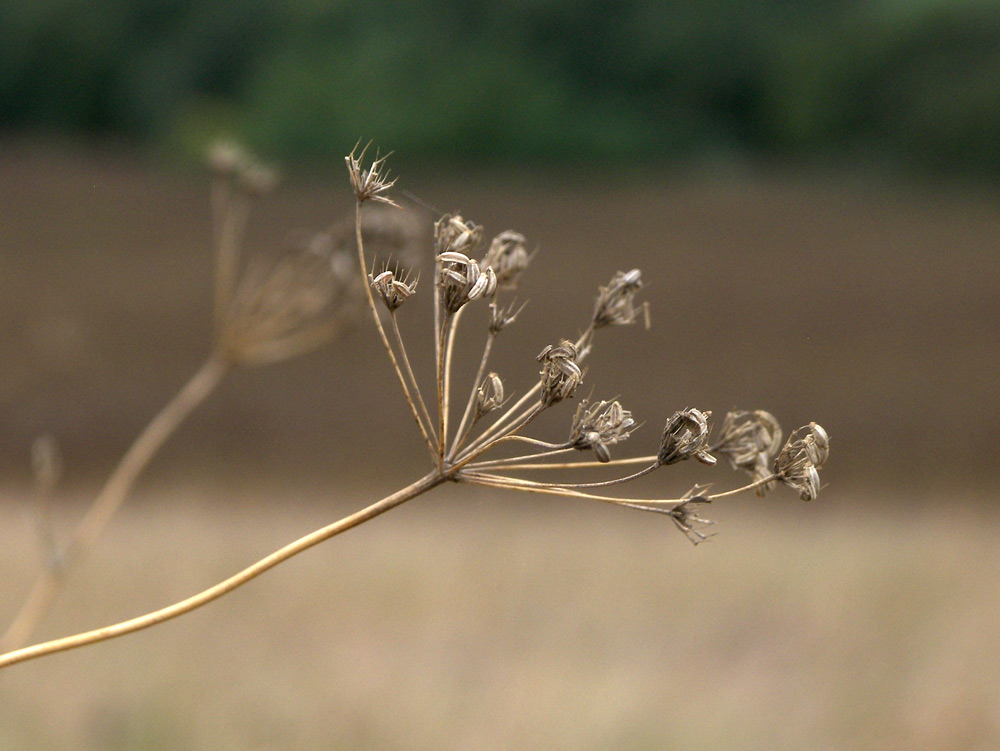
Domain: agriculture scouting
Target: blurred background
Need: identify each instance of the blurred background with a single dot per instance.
(810, 190)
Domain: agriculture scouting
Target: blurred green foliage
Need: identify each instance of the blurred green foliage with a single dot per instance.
(916, 82)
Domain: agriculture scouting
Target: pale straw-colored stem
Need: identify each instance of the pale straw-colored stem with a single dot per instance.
(226, 586)
(562, 465)
(449, 350)
(479, 449)
(111, 497)
(516, 483)
(413, 380)
(465, 426)
(604, 483)
(382, 335)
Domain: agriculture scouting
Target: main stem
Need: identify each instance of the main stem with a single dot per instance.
(111, 497)
(224, 587)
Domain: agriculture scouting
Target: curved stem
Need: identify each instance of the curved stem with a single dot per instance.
(111, 497)
(226, 586)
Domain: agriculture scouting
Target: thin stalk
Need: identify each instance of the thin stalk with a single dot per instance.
(514, 483)
(111, 497)
(604, 483)
(382, 334)
(477, 450)
(552, 449)
(562, 465)
(464, 427)
(413, 379)
(228, 585)
(449, 350)
(440, 349)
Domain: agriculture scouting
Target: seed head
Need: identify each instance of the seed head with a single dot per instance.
(598, 426)
(460, 281)
(796, 465)
(394, 292)
(369, 184)
(616, 302)
(750, 441)
(684, 436)
(560, 374)
(685, 516)
(507, 257)
(452, 233)
(489, 395)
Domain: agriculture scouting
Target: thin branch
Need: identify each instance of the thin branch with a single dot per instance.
(381, 331)
(464, 426)
(226, 586)
(416, 386)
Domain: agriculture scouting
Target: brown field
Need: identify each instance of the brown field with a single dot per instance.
(869, 619)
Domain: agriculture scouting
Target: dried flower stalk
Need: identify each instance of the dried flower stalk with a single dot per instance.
(749, 441)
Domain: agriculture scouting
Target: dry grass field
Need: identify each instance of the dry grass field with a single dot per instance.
(466, 623)
(869, 619)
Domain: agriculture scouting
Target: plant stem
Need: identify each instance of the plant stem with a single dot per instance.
(111, 497)
(224, 587)
(382, 334)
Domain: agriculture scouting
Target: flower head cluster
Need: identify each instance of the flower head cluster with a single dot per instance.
(507, 258)
(749, 441)
(616, 302)
(560, 373)
(802, 457)
(685, 436)
(598, 426)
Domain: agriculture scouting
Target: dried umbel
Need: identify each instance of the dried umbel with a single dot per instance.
(561, 376)
(369, 184)
(598, 426)
(750, 441)
(489, 395)
(460, 280)
(685, 436)
(800, 460)
(508, 258)
(393, 292)
(615, 303)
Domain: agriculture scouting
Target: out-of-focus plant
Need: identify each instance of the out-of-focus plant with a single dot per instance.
(266, 309)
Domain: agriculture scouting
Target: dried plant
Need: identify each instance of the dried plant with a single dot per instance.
(492, 420)
(265, 311)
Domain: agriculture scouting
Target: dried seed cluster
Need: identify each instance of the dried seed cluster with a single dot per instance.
(750, 441)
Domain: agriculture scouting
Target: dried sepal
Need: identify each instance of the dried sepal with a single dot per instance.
(371, 183)
(615, 303)
(501, 318)
(685, 436)
(598, 426)
(560, 374)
